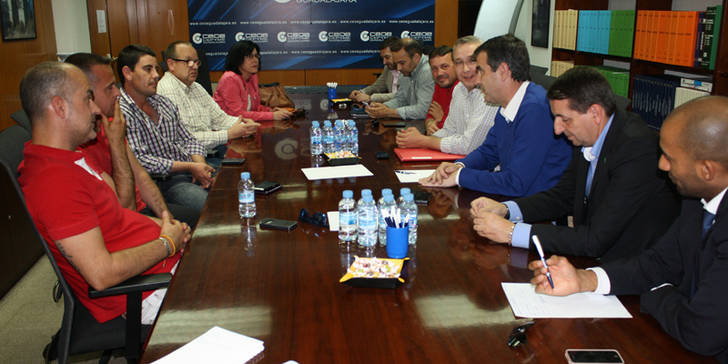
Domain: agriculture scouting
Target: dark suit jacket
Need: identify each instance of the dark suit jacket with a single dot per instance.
(630, 206)
(700, 323)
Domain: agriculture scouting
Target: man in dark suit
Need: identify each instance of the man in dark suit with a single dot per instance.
(682, 279)
(620, 202)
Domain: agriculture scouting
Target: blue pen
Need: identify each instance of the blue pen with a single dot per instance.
(537, 243)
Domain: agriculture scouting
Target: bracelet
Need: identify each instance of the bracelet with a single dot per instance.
(171, 242)
(166, 245)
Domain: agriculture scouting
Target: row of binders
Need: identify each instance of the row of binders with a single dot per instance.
(684, 38)
(618, 78)
(655, 96)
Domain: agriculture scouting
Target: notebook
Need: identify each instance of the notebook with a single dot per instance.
(422, 154)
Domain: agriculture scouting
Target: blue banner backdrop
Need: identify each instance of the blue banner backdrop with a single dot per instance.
(308, 34)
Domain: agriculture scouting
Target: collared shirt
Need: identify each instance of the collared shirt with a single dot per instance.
(158, 145)
(202, 116)
(591, 154)
(468, 122)
(522, 231)
(412, 100)
(509, 112)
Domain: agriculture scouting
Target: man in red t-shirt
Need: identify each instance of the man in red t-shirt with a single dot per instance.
(95, 241)
(135, 188)
(443, 72)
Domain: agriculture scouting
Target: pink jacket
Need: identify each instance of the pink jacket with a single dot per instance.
(232, 95)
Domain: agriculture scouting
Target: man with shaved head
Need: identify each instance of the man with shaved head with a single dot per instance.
(682, 279)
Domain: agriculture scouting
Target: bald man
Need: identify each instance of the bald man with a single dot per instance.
(683, 279)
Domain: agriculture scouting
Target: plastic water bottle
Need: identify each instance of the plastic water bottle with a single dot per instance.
(385, 205)
(328, 137)
(408, 210)
(402, 191)
(353, 137)
(246, 196)
(367, 220)
(316, 146)
(347, 217)
(339, 136)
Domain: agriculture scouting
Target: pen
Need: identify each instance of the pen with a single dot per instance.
(537, 243)
(404, 172)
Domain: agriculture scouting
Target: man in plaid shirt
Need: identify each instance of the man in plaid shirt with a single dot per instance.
(202, 116)
(156, 135)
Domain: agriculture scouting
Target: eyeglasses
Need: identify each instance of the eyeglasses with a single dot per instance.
(190, 62)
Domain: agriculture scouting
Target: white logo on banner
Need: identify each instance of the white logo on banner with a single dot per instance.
(282, 37)
(405, 34)
(421, 36)
(283, 1)
(293, 37)
(197, 38)
(323, 36)
(367, 36)
(253, 37)
(239, 36)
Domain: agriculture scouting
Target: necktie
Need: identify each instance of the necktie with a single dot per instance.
(707, 222)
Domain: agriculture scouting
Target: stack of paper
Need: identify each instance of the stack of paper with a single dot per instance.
(217, 345)
(412, 175)
(525, 302)
(356, 170)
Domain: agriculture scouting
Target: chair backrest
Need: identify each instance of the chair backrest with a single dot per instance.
(21, 226)
(12, 141)
(22, 119)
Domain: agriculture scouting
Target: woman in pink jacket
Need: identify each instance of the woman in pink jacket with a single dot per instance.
(237, 90)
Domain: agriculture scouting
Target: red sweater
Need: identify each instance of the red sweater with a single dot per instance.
(442, 96)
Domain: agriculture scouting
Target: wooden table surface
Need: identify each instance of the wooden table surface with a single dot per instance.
(283, 287)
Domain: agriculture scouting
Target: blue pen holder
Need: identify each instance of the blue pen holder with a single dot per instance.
(332, 93)
(397, 242)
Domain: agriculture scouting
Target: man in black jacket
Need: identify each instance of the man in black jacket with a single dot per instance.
(620, 202)
(682, 278)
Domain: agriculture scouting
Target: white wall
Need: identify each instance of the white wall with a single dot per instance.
(539, 56)
(70, 21)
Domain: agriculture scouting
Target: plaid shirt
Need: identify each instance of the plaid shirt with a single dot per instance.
(158, 145)
(199, 112)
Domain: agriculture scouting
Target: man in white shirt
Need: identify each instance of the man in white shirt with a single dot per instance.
(470, 117)
(681, 280)
(202, 116)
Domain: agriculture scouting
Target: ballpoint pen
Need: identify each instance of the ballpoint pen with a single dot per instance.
(537, 243)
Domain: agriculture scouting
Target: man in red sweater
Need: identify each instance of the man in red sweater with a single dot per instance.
(443, 72)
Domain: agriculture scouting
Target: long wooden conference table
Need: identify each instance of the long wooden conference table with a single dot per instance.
(283, 287)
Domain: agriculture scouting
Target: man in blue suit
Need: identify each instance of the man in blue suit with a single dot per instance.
(521, 155)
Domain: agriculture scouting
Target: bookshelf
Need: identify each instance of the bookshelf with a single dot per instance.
(643, 67)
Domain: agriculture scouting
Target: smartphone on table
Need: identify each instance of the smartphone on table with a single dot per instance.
(593, 356)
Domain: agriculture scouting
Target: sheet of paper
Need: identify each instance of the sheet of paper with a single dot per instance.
(333, 220)
(525, 302)
(412, 175)
(217, 345)
(355, 170)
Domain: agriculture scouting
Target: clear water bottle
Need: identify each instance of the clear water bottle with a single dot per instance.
(402, 191)
(327, 136)
(339, 136)
(316, 146)
(408, 210)
(367, 221)
(347, 217)
(385, 205)
(353, 137)
(246, 196)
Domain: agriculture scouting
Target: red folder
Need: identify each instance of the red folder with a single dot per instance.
(424, 155)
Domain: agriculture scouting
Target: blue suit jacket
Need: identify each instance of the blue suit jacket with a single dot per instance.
(531, 157)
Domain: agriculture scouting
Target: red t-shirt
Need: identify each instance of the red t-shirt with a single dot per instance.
(442, 96)
(66, 196)
(99, 151)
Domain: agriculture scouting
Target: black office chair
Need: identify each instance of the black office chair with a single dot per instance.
(22, 119)
(80, 332)
(12, 141)
(203, 71)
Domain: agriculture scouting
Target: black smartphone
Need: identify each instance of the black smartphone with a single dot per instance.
(593, 356)
(421, 197)
(278, 224)
(393, 123)
(382, 155)
(266, 187)
(233, 161)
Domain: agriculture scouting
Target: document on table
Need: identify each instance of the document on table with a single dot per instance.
(412, 175)
(355, 170)
(525, 302)
(217, 345)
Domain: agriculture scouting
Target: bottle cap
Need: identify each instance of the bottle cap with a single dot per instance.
(409, 197)
(315, 123)
(327, 123)
(367, 198)
(386, 191)
(244, 175)
(366, 192)
(389, 198)
(404, 190)
(348, 194)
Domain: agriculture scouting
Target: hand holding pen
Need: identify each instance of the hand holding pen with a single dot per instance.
(537, 243)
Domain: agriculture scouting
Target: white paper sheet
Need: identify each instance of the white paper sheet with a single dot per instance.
(355, 170)
(412, 175)
(525, 302)
(333, 217)
(217, 345)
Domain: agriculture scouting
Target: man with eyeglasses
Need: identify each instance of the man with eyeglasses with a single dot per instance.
(202, 116)
(469, 118)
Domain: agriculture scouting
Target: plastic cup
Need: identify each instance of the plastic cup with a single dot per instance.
(397, 242)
